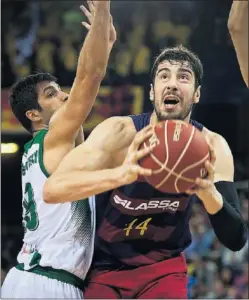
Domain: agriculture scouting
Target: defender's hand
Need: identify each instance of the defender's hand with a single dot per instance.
(90, 14)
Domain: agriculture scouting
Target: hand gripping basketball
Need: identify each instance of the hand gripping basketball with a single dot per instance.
(177, 158)
(204, 186)
(131, 168)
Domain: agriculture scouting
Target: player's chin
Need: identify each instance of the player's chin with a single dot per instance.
(170, 116)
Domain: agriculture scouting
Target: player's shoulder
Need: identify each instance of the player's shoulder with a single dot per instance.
(119, 121)
(216, 140)
(114, 131)
(115, 125)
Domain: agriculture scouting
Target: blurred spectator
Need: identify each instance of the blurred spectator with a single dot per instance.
(215, 272)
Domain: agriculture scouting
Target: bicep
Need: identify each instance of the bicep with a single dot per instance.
(97, 151)
(84, 159)
(224, 165)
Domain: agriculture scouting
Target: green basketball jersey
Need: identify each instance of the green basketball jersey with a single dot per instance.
(61, 235)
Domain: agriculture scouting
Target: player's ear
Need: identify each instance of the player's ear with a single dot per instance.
(197, 94)
(33, 115)
(151, 93)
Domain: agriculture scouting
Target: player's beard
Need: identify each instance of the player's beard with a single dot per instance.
(180, 115)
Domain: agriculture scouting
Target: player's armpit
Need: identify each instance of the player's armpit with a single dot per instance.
(224, 165)
(79, 137)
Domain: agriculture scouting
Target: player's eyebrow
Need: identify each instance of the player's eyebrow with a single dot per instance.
(163, 69)
(50, 87)
(53, 87)
(185, 70)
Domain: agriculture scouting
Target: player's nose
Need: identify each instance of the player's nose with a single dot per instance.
(64, 97)
(171, 89)
(172, 85)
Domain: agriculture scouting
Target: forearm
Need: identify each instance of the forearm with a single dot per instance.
(238, 17)
(95, 51)
(76, 185)
(91, 69)
(238, 28)
(215, 203)
(225, 217)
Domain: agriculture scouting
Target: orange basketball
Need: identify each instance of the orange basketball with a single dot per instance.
(178, 157)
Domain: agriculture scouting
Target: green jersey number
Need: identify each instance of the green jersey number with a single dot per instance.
(30, 216)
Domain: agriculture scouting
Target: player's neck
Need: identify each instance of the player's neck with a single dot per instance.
(37, 129)
(154, 119)
(187, 119)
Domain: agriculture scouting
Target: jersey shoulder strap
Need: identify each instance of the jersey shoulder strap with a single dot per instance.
(38, 139)
(141, 121)
(197, 124)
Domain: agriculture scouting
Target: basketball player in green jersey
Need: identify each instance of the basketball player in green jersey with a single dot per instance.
(238, 28)
(58, 240)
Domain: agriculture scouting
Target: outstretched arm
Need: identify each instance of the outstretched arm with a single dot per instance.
(238, 28)
(92, 64)
(93, 168)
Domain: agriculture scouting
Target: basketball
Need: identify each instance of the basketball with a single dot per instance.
(178, 156)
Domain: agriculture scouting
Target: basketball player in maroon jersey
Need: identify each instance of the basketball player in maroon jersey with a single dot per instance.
(139, 246)
(238, 28)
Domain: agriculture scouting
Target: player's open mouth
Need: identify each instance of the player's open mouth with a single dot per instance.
(170, 102)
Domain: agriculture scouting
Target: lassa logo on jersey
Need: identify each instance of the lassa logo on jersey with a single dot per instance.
(164, 204)
(142, 207)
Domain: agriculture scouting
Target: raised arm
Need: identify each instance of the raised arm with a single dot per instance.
(108, 159)
(238, 28)
(91, 69)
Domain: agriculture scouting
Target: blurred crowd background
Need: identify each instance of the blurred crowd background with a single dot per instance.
(48, 35)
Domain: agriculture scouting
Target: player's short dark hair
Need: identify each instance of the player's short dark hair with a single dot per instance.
(24, 96)
(180, 54)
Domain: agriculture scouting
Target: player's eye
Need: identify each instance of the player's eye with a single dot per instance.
(163, 76)
(184, 77)
(51, 94)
